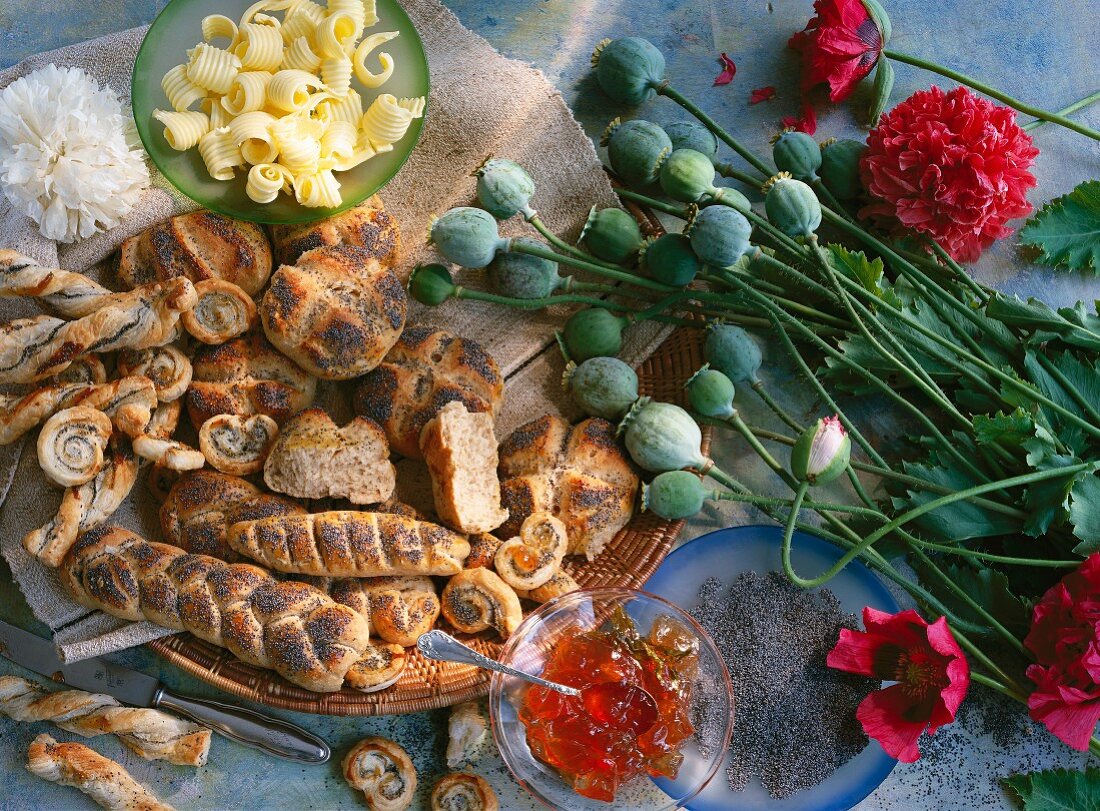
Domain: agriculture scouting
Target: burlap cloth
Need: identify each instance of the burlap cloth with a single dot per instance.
(481, 104)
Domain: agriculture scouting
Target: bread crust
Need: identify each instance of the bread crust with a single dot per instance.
(368, 226)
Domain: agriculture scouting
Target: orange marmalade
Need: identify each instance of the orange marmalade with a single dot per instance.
(595, 756)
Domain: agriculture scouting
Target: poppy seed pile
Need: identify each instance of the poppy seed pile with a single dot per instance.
(794, 717)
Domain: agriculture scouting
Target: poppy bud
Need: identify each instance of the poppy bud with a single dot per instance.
(523, 276)
(612, 234)
(431, 284)
(791, 206)
(719, 235)
(692, 135)
(504, 188)
(636, 149)
(628, 69)
(822, 452)
(593, 333)
(711, 393)
(884, 85)
(467, 236)
(797, 153)
(840, 167)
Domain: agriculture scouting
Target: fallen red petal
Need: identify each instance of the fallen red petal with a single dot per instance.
(762, 94)
(729, 70)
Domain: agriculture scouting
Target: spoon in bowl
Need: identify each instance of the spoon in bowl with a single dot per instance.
(624, 707)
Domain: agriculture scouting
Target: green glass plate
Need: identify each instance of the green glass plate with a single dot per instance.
(178, 28)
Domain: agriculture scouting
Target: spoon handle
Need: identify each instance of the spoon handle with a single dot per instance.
(445, 648)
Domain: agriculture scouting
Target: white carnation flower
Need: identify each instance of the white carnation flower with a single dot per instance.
(64, 160)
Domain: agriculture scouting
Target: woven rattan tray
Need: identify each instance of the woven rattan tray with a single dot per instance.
(627, 562)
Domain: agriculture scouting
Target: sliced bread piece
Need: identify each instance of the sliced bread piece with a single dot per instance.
(461, 451)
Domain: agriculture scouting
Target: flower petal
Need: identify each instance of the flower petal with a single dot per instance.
(762, 94)
(729, 70)
(883, 715)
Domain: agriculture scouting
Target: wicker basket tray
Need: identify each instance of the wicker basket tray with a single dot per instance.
(626, 562)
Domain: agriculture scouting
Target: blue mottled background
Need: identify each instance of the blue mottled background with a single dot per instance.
(1035, 49)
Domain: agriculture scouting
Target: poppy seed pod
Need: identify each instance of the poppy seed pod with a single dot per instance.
(711, 393)
(604, 387)
(719, 235)
(523, 276)
(791, 206)
(797, 153)
(636, 149)
(593, 333)
(504, 188)
(670, 260)
(467, 236)
(628, 69)
(822, 452)
(840, 168)
(612, 234)
(692, 135)
(662, 436)
(431, 284)
(674, 494)
(732, 351)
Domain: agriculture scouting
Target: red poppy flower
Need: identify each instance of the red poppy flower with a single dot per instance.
(807, 123)
(840, 46)
(762, 94)
(928, 665)
(950, 165)
(729, 70)
(1065, 638)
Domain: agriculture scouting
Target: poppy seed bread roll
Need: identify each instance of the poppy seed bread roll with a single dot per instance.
(367, 226)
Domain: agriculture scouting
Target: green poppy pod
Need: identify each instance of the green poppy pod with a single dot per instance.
(612, 235)
(797, 153)
(792, 206)
(692, 135)
(431, 284)
(674, 495)
(604, 386)
(670, 260)
(719, 235)
(628, 69)
(504, 188)
(711, 393)
(688, 176)
(520, 275)
(593, 333)
(636, 149)
(733, 352)
(662, 436)
(822, 452)
(467, 236)
(840, 168)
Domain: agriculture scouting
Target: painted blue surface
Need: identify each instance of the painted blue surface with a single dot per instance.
(724, 555)
(1039, 50)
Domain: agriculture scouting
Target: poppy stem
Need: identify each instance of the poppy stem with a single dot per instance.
(777, 409)
(996, 685)
(562, 245)
(981, 87)
(1073, 108)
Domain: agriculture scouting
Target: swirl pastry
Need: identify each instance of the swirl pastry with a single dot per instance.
(384, 773)
(399, 608)
(171, 453)
(71, 445)
(560, 583)
(379, 666)
(477, 599)
(223, 312)
(483, 550)
(463, 792)
(466, 729)
(129, 402)
(166, 366)
(35, 348)
(237, 445)
(531, 559)
(164, 421)
(87, 369)
(85, 507)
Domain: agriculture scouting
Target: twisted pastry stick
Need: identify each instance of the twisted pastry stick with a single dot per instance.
(70, 294)
(34, 348)
(71, 445)
(171, 453)
(163, 422)
(74, 764)
(530, 560)
(463, 792)
(166, 366)
(151, 734)
(223, 312)
(238, 445)
(382, 770)
(476, 599)
(129, 402)
(85, 507)
(289, 627)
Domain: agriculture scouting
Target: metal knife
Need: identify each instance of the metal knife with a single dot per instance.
(250, 728)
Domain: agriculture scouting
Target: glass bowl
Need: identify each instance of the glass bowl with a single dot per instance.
(528, 648)
(179, 27)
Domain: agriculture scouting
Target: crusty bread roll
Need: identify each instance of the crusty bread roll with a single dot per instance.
(350, 544)
(483, 550)
(336, 312)
(383, 771)
(581, 474)
(367, 226)
(425, 370)
(312, 458)
(477, 599)
(289, 627)
(200, 245)
(150, 734)
(74, 764)
(461, 451)
(400, 609)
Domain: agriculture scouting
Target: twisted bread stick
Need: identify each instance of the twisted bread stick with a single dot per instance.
(151, 734)
(128, 401)
(71, 294)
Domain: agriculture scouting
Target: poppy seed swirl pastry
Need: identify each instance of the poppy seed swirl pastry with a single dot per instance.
(477, 599)
(383, 771)
(237, 445)
(463, 792)
(166, 366)
(534, 557)
(71, 445)
(223, 311)
(400, 608)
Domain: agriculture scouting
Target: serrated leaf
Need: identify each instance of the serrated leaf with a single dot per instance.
(1066, 231)
(957, 521)
(1084, 513)
(1010, 429)
(855, 265)
(989, 588)
(1047, 501)
(1056, 790)
(1074, 325)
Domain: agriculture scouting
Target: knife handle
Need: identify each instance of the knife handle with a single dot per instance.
(278, 738)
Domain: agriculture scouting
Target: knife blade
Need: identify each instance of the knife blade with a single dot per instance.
(274, 736)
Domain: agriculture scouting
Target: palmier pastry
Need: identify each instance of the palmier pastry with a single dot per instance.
(222, 312)
(476, 599)
(424, 371)
(200, 245)
(560, 583)
(463, 792)
(336, 312)
(71, 445)
(531, 559)
(168, 452)
(237, 445)
(166, 366)
(384, 773)
(365, 226)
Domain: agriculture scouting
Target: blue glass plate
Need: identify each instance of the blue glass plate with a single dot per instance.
(727, 553)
